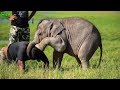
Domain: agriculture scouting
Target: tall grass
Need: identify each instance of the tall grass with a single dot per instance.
(108, 25)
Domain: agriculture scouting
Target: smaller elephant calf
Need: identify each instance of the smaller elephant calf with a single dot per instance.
(17, 52)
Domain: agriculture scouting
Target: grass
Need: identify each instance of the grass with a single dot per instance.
(108, 24)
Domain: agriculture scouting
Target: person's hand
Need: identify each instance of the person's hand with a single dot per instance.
(12, 17)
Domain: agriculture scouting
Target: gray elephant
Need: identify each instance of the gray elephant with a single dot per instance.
(75, 36)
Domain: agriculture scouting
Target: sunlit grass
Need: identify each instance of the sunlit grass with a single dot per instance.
(108, 25)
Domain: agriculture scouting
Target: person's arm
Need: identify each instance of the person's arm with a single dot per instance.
(12, 17)
(31, 15)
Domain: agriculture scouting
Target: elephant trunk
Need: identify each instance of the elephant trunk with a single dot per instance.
(32, 44)
(29, 48)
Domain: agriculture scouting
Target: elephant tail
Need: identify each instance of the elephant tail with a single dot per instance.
(100, 54)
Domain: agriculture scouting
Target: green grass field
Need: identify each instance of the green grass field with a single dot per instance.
(108, 24)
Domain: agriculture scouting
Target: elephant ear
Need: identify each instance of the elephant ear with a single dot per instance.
(56, 28)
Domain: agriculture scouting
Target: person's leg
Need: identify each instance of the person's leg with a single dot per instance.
(21, 56)
(24, 34)
(3, 54)
(21, 66)
(13, 35)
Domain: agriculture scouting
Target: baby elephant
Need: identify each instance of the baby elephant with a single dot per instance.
(17, 52)
(75, 36)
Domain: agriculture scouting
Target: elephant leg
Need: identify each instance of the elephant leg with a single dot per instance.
(87, 50)
(78, 60)
(57, 58)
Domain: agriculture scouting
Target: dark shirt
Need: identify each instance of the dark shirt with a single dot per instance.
(22, 19)
(17, 51)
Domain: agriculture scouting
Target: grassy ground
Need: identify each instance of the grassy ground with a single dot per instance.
(108, 24)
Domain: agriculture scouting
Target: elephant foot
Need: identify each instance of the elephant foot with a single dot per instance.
(46, 67)
(85, 65)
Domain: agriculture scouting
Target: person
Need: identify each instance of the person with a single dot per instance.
(17, 52)
(19, 30)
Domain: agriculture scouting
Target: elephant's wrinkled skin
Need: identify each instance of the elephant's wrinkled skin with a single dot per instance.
(74, 36)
